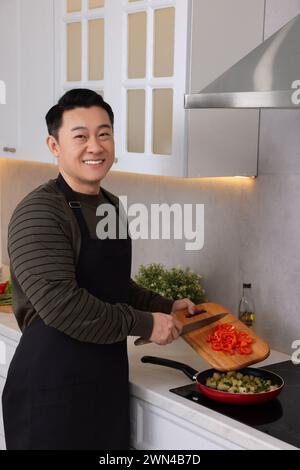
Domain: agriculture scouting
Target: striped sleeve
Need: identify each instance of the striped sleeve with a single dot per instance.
(146, 299)
(42, 259)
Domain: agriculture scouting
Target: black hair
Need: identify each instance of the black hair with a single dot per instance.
(76, 98)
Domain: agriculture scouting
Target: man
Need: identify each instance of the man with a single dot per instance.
(73, 297)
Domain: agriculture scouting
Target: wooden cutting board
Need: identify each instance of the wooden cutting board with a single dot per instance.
(220, 360)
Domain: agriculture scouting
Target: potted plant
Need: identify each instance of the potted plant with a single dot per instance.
(175, 283)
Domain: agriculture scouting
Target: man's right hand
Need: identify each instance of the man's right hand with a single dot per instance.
(165, 328)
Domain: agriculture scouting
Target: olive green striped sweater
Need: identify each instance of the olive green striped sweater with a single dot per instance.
(43, 245)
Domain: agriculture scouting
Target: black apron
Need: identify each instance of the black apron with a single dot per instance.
(61, 393)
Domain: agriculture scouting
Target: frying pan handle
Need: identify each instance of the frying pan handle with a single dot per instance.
(187, 370)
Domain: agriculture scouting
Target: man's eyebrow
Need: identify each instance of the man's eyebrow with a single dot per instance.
(82, 128)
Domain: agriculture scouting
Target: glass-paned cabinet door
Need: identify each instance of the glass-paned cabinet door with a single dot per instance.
(135, 53)
(74, 51)
(162, 121)
(74, 5)
(96, 4)
(96, 49)
(136, 109)
(80, 45)
(152, 84)
(164, 42)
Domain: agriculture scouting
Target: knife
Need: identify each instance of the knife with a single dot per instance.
(189, 327)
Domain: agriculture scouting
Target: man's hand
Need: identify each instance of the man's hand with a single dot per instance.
(183, 303)
(165, 329)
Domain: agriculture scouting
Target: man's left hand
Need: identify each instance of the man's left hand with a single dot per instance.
(183, 303)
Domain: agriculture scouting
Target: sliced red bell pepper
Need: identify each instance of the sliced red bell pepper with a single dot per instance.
(225, 337)
(3, 287)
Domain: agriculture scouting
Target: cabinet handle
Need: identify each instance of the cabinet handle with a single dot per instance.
(9, 149)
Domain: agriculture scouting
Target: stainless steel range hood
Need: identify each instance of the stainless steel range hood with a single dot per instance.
(265, 78)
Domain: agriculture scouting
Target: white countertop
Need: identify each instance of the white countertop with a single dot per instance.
(9, 326)
(151, 383)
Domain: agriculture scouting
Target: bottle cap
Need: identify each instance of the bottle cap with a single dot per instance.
(247, 286)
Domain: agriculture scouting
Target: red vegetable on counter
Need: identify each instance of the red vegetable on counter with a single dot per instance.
(227, 338)
(3, 287)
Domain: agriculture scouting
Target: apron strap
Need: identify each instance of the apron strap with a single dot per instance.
(73, 203)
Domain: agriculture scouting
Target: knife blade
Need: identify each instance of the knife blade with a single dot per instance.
(189, 327)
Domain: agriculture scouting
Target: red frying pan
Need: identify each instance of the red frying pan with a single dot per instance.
(225, 397)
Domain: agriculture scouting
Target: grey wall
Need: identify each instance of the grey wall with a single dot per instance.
(252, 228)
(218, 261)
(270, 226)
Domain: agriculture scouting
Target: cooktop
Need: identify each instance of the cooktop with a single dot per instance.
(279, 418)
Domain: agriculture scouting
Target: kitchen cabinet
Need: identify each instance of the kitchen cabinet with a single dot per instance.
(27, 67)
(210, 36)
(9, 339)
(155, 428)
(222, 142)
(2, 438)
(140, 70)
(164, 50)
(154, 133)
(9, 71)
(2, 443)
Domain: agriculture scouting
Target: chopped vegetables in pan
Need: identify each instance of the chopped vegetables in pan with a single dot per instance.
(227, 338)
(236, 382)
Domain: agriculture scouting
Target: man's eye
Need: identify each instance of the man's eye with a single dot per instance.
(104, 135)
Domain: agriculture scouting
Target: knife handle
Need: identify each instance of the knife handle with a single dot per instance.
(141, 341)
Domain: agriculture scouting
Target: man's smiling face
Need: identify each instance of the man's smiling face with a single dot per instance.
(85, 148)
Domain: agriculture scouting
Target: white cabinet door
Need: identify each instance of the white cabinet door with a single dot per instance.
(7, 351)
(222, 142)
(204, 142)
(36, 76)
(156, 429)
(27, 68)
(2, 443)
(9, 16)
(2, 439)
(144, 79)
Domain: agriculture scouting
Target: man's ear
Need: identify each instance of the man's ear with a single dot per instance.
(53, 145)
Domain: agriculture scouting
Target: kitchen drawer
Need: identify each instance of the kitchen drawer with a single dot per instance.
(2, 382)
(7, 349)
(2, 442)
(154, 428)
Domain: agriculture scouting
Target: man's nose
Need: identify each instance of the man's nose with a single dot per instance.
(95, 145)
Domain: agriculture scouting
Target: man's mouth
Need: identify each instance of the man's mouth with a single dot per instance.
(94, 162)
